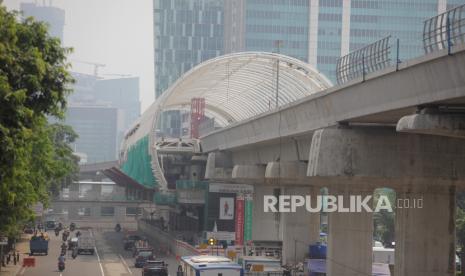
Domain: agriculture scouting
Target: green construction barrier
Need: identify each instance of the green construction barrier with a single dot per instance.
(138, 164)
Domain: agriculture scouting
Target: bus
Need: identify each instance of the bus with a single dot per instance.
(205, 265)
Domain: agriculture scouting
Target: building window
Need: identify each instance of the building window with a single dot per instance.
(133, 211)
(107, 211)
(85, 211)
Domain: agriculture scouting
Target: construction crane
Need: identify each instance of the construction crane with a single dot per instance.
(96, 65)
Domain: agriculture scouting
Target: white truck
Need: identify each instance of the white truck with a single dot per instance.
(86, 244)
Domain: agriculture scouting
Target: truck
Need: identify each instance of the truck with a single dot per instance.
(86, 244)
(38, 244)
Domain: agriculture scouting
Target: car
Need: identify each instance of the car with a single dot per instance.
(50, 225)
(155, 268)
(86, 244)
(142, 257)
(138, 249)
(28, 230)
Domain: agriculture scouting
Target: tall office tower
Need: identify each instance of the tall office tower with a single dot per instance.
(347, 25)
(186, 33)
(97, 130)
(315, 31)
(114, 99)
(54, 16)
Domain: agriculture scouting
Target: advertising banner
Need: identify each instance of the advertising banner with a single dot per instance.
(248, 218)
(226, 208)
(239, 220)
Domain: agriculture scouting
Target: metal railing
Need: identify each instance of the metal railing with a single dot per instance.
(444, 30)
(439, 32)
(365, 60)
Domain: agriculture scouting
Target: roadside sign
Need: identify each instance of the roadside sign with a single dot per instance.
(3, 240)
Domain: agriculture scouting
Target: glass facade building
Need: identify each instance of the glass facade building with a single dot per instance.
(186, 32)
(319, 32)
(271, 24)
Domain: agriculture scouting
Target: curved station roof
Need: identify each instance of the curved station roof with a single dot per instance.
(235, 87)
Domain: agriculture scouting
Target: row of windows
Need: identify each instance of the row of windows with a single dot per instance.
(365, 32)
(330, 3)
(329, 45)
(327, 59)
(388, 4)
(270, 44)
(186, 16)
(330, 17)
(192, 43)
(279, 2)
(364, 18)
(191, 30)
(188, 4)
(276, 29)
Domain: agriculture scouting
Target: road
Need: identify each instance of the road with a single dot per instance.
(110, 259)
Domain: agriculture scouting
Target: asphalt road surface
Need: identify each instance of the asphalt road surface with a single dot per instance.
(110, 259)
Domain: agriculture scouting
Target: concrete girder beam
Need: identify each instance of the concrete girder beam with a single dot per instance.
(249, 172)
(385, 157)
(287, 170)
(219, 165)
(433, 124)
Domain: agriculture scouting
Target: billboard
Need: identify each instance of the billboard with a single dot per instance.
(226, 208)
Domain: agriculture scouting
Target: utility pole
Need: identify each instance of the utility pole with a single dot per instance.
(278, 47)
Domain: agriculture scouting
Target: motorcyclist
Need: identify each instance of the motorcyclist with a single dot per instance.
(75, 253)
(61, 259)
(61, 262)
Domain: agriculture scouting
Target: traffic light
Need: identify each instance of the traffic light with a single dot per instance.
(211, 241)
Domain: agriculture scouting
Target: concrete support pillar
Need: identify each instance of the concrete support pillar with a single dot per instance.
(350, 236)
(301, 228)
(265, 226)
(425, 237)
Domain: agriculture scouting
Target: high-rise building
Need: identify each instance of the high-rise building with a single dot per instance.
(115, 100)
(188, 32)
(55, 17)
(97, 129)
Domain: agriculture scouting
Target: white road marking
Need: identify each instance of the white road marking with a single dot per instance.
(21, 271)
(125, 264)
(99, 262)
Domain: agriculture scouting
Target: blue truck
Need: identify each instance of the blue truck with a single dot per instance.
(38, 244)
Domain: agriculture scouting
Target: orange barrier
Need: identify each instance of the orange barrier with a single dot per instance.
(30, 262)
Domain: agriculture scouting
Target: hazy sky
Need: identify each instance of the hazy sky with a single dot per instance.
(117, 33)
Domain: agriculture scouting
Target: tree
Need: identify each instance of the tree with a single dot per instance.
(384, 222)
(34, 85)
(460, 228)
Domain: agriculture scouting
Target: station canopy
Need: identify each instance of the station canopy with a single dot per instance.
(241, 85)
(235, 87)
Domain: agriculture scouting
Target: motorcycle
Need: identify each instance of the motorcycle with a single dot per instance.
(118, 228)
(61, 266)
